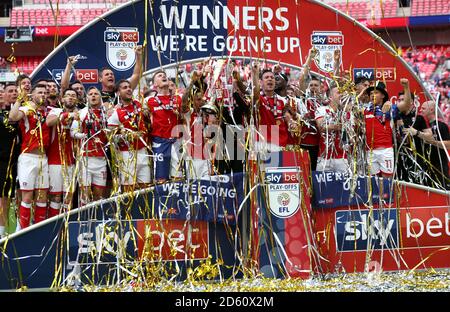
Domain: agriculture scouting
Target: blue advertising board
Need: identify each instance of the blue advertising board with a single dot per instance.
(334, 189)
(433, 20)
(366, 229)
(30, 257)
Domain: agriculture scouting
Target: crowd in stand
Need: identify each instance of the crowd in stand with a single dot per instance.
(103, 141)
(424, 61)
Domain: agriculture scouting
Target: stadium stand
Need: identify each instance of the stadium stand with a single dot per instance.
(26, 64)
(71, 12)
(114, 2)
(432, 64)
(389, 8)
(429, 7)
(365, 9)
(45, 17)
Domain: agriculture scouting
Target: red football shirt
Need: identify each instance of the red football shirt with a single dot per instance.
(165, 111)
(310, 133)
(130, 117)
(60, 140)
(196, 141)
(378, 133)
(271, 116)
(35, 132)
(93, 123)
(330, 143)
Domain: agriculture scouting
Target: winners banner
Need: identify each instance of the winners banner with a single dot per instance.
(186, 31)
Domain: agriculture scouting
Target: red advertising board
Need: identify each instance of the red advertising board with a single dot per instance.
(87, 75)
(289, 231)
(424, 227)
(171, 240)
(394, 22)
(415, 235)
(46, 31)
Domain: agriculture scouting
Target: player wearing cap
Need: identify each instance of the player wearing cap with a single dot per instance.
(379, 144)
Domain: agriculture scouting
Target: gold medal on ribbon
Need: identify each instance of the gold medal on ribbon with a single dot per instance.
(33, 132)
(278, 122)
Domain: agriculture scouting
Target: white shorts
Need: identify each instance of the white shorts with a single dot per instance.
(381, 160)
(197, 168)
(32, 171)
(177, 156)
(92, 171)
(60, 179)
(265, 147)
(268, 153)
(333, 164)
(132, 172)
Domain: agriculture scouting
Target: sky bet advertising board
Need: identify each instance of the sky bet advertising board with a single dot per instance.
(187, 219)
(172, 223)
(385, 228)
(283, 229)
(183, 31)
(397, 237)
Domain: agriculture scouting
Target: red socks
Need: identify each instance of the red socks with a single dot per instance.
(24, 215)
(40, 212)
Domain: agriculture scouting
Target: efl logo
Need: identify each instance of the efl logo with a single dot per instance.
(383, 74)
(425, 227)
(327, 39)
(172, 240)
(120, 43)
(284, 190)
(125, 36)
(83, 75)
(356, 228)
(326, 42)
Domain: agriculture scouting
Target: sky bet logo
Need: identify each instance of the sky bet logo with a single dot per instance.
(283, 177)
(428, 227)
(327, 39)
(383, 74)
(83, 75)
(358, 228)
(121, 36)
